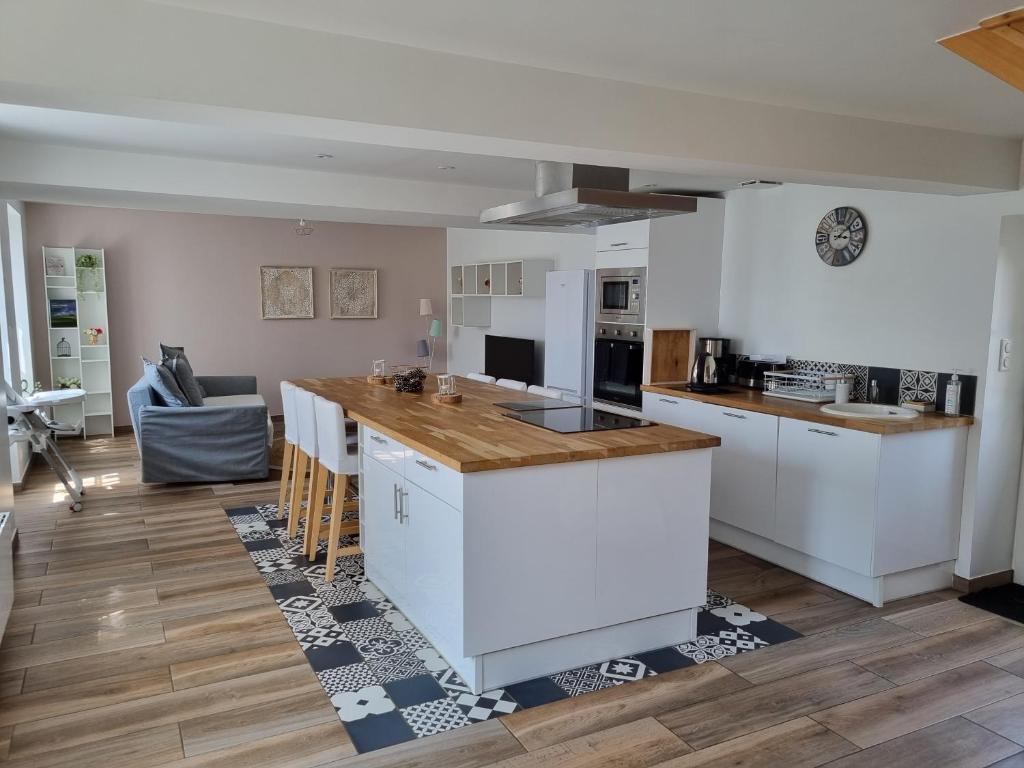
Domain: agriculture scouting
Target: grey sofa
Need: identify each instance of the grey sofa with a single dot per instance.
(227, 438)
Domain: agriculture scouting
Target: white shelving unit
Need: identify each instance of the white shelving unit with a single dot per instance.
(81, 293)
(473, 285)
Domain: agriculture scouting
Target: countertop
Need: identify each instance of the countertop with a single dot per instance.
(745, 399)
(475, 436)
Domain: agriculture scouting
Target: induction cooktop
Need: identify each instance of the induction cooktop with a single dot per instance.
(577, 419)
(543, 404)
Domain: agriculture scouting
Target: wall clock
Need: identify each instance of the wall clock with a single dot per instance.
(841, 236)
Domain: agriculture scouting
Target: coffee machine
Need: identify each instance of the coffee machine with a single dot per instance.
(710, 369)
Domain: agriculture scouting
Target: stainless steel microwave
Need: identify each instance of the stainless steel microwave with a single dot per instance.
(621, 295)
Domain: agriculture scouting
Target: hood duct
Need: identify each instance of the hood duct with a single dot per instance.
(571, 195)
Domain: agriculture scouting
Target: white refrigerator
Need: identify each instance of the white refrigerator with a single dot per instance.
(569, 334)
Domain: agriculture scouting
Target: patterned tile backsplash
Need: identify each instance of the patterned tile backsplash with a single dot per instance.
(896, 385)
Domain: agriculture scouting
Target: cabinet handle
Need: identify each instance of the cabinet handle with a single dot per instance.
(666, 400)
(427, 465)
(402, 514)
(394, 500)
(376, 439)
(733, 415)
(824, 432)
(616, 245)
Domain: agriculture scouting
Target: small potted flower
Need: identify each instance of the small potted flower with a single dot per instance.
(93, 334)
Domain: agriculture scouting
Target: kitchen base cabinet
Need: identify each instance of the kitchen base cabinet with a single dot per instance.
(743, 466)
(876, 516)
(827, 481)
(517, 573)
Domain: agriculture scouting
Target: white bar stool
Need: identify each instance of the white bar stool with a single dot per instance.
(307, 455)
(291, 439)
(537, 389)
(519, 386)
(480, 377)
(338, 455)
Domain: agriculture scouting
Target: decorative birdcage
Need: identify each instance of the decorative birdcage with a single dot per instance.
(63, 347)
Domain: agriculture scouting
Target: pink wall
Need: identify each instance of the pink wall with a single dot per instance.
(193, 280)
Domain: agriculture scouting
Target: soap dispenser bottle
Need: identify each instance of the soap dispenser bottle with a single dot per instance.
(952, 407)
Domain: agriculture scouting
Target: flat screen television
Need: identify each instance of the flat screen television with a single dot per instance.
(508, 358)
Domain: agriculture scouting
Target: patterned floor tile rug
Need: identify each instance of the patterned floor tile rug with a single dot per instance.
(389, 685)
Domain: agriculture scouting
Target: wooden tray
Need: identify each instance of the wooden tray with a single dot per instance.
(446, 399)
(382, 380)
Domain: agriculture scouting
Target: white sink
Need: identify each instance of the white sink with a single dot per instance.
(870, 411)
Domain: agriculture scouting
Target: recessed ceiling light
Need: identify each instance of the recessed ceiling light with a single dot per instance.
(324, 156)
(446, 167)
(649, 186)
(759, 184)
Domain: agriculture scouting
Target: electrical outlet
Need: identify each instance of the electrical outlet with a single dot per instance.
(1005, 346)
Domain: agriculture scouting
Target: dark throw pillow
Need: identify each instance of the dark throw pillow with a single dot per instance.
(161, 380)
(176, 360)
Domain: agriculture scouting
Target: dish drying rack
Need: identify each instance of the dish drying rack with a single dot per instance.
(807, 386)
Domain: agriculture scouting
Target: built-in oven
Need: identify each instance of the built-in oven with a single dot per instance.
(618, 364)
(621, 295)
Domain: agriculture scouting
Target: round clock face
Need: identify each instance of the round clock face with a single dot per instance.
(841, 236)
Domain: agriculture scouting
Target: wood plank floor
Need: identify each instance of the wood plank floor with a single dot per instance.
(143, 636)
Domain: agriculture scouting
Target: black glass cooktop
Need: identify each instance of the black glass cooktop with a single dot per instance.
(578, 420)
(542, 404)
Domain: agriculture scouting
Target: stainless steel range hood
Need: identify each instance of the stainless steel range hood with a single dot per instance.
(570, 195)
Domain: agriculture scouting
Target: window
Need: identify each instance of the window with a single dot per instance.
(19, 294)
(14, 317)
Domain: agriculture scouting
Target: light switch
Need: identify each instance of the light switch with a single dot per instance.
(1005, 346)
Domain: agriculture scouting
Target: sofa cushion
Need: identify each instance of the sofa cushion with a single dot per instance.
(182, 371)
(186, 380)
(242, 400)
(161, 380)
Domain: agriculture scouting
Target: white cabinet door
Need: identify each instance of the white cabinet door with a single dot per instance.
(825, 505)
(743, 467)
(433, 565)
(383, 534)
(652, 535)
(625, 236)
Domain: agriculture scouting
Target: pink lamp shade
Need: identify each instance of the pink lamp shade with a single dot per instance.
(426, 307)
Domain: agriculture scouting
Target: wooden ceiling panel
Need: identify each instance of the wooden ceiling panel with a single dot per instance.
(996, 46)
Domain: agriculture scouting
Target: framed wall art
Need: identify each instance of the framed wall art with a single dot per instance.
(286, 293)
(353, 294)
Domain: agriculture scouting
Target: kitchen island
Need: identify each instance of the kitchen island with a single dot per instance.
(518, 551)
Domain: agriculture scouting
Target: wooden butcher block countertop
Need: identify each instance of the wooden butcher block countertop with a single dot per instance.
(474, 435)
(745, 399)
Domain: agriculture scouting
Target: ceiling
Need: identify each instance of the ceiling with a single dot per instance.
(869, 58)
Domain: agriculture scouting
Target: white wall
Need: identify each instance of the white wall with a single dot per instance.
(999, 460)
(510, 316)
(919, 297)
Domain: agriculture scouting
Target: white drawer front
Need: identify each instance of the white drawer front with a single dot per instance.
(384, 449)
(434, 477)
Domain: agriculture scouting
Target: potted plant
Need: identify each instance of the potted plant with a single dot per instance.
(93, 335)
(68, 382)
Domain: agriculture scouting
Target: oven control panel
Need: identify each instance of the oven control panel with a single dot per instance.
(619, 332)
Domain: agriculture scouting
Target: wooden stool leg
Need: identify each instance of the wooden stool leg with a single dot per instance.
(298, 480)
(287, 466)
(315, 507)
(337, 511)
